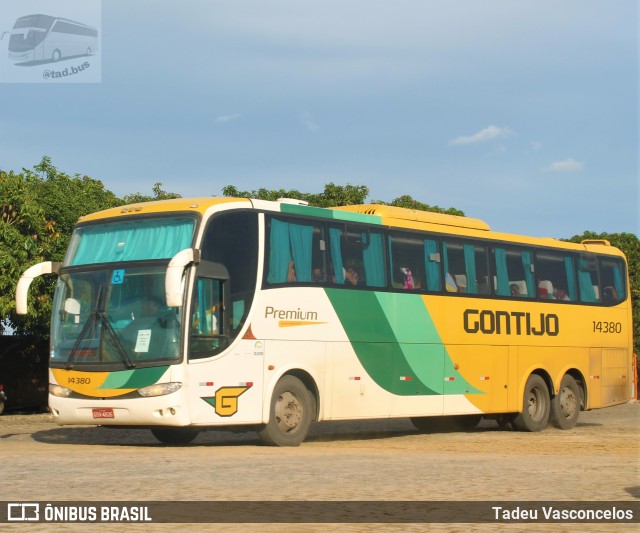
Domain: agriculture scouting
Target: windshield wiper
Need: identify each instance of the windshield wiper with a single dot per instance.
(88, 325)
(115, 339)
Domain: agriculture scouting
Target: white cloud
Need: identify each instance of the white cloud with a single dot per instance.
(487, 134)
(568, 165)
(227, 118)
(308, 121)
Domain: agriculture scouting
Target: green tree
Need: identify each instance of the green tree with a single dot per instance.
(66, 198)
(158, 194)
(27, 237)
(332, 196)
(630, 245)
(408, 202)
(40, 208)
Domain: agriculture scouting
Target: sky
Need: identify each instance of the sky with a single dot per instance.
(523, 114)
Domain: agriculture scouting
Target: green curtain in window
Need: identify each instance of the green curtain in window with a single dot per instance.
(571, 277)
(160, 238)
(500, 255)
(301, 238)
(470, 266)
(432, 267)
(527, 263)
(373, 257)
(279, 252)
(617, 282)
(585, 283)
(336, 254)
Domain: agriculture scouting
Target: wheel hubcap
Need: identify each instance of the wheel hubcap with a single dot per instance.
(568, 402)
(289, 412)
(535, 405)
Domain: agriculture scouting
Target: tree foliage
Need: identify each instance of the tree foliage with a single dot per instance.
(27, 236)
(334, 196)
(39, 209)
(158, 194)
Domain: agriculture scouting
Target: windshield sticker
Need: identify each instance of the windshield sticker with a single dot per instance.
(143, 340)
(117, 278)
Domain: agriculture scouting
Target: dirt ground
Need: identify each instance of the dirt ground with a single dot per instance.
(378, 460)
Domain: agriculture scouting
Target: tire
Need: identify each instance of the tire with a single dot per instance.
(175, 436)
(536, 406)
(56, 55)
(1, 407)
(290, 414)
(446, 423)
(565, 406)
(88, 51)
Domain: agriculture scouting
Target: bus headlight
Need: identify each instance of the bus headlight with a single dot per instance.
(59, 391)
(159, 389)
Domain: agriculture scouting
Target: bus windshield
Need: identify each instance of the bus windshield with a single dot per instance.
(28, 32)
(114, 317)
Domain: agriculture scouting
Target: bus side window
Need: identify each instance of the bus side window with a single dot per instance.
(466, 268)
(513, 272)
(612, 281)
(407, 262)
(207, 318)
(295, 252)
(357, 256)
(556, 276)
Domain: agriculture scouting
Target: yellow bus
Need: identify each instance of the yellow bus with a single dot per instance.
(193, 314)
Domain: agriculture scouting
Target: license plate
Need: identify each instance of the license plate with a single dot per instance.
(103, 413)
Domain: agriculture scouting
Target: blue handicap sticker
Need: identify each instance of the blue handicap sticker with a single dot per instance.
(117, 278)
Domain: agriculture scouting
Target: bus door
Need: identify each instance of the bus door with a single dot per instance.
(225, 385)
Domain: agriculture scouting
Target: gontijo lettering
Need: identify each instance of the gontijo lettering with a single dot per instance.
(510, 323)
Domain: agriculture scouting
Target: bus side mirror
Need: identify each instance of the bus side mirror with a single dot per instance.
(3, 34)
(48, 267)
(173, 287)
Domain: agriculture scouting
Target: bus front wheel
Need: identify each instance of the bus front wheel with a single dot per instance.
(289, 415)
(536, 406)
(565, 406)
(56, 55)
(175, 436)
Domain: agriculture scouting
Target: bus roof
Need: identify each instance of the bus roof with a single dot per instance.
(43, 21)
(365, 213)
(391, 214)
(197, 205)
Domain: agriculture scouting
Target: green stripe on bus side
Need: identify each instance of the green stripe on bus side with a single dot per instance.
(134, 379)
(397, 343)
(332, 214)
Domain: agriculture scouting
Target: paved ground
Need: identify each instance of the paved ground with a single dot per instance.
(372, 460)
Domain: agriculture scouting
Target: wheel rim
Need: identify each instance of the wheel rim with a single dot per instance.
(289, 412)
(535, 404)
(568, 402)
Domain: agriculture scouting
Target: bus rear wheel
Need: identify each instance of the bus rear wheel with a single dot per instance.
(56, 55)
(565, 406)
(536, 406)
(175, 436)
(289, 415)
